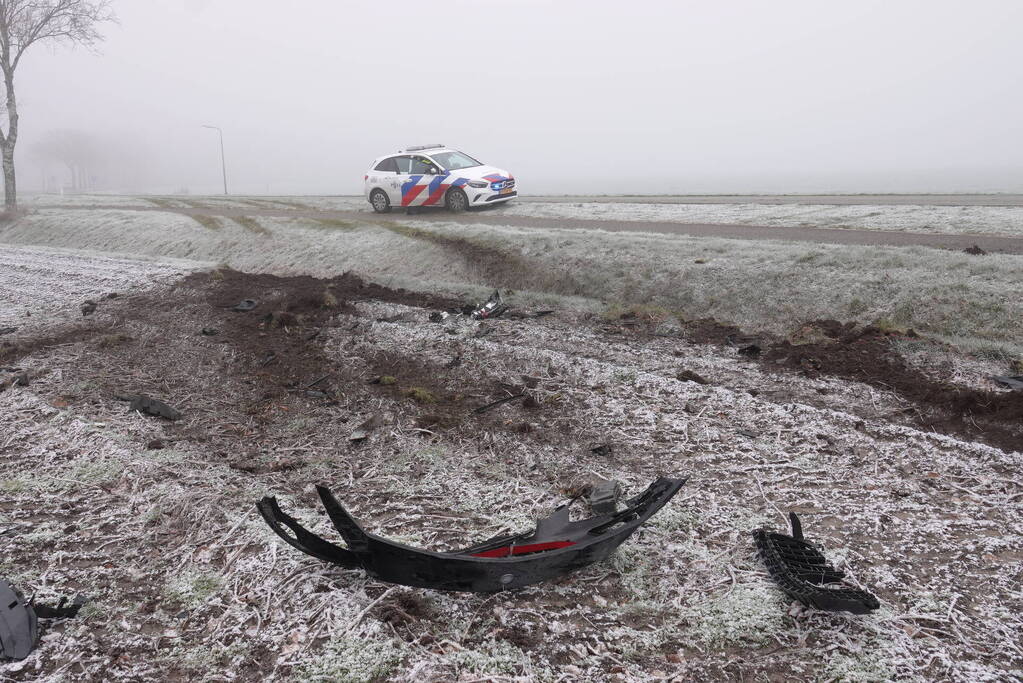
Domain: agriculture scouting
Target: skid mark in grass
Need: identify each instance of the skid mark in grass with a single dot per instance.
(162, 203)
(334, 224)
(251, 224)
(207, 221)
(495, 266)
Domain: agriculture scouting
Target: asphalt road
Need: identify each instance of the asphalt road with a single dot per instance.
(990, 243)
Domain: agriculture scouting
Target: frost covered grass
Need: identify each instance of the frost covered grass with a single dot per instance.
(974, 302)
(980, 220)
(186, 581)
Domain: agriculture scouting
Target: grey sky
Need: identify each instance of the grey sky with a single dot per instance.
(571, 96)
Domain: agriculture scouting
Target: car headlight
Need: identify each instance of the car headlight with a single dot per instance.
(478, 183)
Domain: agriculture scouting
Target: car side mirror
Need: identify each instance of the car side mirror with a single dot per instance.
(431, 171)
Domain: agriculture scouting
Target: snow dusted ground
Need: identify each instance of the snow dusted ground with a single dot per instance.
(38, 284)
(185, 581)
(989, 220)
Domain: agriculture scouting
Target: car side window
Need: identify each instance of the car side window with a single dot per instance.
(421, 165)
(388, 165)
(404, 163)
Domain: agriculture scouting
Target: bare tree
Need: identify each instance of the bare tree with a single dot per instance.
(24, 23)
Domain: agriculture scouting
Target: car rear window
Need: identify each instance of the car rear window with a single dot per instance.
(387, 164)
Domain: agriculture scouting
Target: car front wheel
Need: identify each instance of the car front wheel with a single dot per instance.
(457, 201)
(380, 202)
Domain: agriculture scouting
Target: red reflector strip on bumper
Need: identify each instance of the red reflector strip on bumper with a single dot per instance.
(523, 549)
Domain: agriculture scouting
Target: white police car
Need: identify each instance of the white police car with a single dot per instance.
(434, 175)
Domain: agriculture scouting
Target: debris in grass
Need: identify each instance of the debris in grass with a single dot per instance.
(88, 308)
(150, 406)
(493, 308)
(803, 573)
(420, 395)
(690, 376)
(604, 450)
(7, 330)
(603, 497)
(556, 546)
(362, 432)
(749, 350)
(748, 432)
(1014, 382)
(494, 404)
(210, 331)
(244, 306)
(19, 620)
(975, 251)
(439, 316)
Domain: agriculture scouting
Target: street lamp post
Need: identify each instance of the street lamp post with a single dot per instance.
(223, 164)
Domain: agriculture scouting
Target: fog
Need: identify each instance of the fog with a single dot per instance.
(572, 96)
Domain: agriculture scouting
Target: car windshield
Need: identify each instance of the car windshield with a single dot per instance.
(454, 161)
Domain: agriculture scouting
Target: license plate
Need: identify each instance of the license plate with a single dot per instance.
(506, 190)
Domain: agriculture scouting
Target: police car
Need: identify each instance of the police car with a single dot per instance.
(435, 175)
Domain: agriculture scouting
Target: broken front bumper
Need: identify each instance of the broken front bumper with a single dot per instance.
(555, 547)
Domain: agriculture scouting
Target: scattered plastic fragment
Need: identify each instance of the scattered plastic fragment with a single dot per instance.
(690, 376)
(19, 620)
(244, 306)
(362, 432)
(975, 251)
(603, 497)
(604, 450)
(151, 406)
(557, 546)
(748, 432)
(1014, 382)
(7, 330)
(210, 331)
(493, 308)
(439, 316)
(803, 573)
(749, 350)
(88, 308)
(494, 404)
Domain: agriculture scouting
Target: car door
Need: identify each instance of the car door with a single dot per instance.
(415, 189)
(407, 182)
(384, 175)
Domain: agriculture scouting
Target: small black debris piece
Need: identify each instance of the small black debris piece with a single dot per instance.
(749, 350)
(88, 308)
(156, 445)
(975, 251)
(482, 331)
(7, 330)
(690, 376)
(603, 497)
(453, 363)
(439, 316)
(803, 573)
(152, 406)
(493, 308)
(494, 404)
(362, 432)
(244, 306)
(270, 357)
(1014, 382)
(748, 432)
(111, 295)
(541, 314)
(604, 450)
(556, 547)
(210, 331)
(62, 610)
(313, 393)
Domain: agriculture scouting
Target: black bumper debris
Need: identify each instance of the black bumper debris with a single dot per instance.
(493, 308)
(803, 573)
(557, 546)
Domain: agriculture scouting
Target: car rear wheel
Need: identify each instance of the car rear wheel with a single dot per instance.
(456, 201)
(380, 201)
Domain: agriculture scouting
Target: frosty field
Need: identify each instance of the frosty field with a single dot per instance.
(915, 496)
